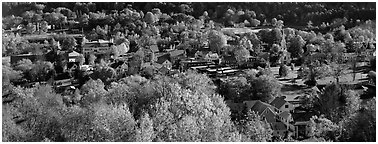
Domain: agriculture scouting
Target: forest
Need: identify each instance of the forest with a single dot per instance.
(144, 84)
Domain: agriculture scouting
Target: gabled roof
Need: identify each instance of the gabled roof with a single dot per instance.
(162, 59)
(163, 70)
(278, 126)
(278, 102)
(250, 104)
(259, 107)
(284, 114)
(73, 54)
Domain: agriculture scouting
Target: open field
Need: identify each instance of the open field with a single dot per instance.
(293, 90)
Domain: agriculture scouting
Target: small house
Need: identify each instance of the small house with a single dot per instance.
(176, 55)
(73, 56)
(164, 61)
(281, 129)
(281, 104)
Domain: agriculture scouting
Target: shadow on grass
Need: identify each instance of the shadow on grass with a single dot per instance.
(294, 87)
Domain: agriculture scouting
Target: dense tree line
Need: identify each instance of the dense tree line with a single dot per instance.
(292, 13)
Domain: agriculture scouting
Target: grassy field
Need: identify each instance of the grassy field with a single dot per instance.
(293, 90)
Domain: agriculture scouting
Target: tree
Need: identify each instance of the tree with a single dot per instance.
(284, 70)
(105, 73)
(314, 68)
(241, 54)
(296, 46)
(217, 41)
(42, 71)
(190, 116)
(91, 59)
(265, 88)
(150, 18)
(10, 75)
(255, 129)
(11, 131)
(69, 43)
(322, 127)
(337, 70)
(92, 91)
(62, 20)
(196, 82)
(44, 26)
(337, 102)
(145, 131)
(235, 89)
(255, 22)
(360, 126)
(276, 35)
(112, 123)
(30, 28)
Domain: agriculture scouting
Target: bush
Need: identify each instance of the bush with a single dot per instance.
(283, 71)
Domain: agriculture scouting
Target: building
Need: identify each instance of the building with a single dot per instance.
(97, 47)
(281, 104)
(280, 121)
(177, 55)
(73, 56)
(281, 129)
(210, 56)
(163, 61)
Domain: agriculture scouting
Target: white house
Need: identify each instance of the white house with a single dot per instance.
(281, 104)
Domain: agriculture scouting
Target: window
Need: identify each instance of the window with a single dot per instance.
(286, 106)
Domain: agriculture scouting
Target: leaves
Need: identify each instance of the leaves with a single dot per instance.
(255, 129)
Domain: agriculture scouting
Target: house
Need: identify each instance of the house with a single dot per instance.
(281, 104)
(285, 117)
(210, 56)
(163, 70)
(265, 110)
(228, 60)
(73, 56)
(279, 120)
(302, 129)
(176, 55)
(164, 61)
(97, 47)
(281, 129)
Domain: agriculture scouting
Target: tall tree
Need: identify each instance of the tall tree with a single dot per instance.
(217, 41)
(69, 43)
(255, 129)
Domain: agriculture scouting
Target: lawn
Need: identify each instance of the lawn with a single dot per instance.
(293, 90)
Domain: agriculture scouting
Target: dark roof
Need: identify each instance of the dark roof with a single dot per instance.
(278, 126)
(259, 107)
(278, 102)
(162, 59)
(284, 114)
(164, 70)
(234, 106)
